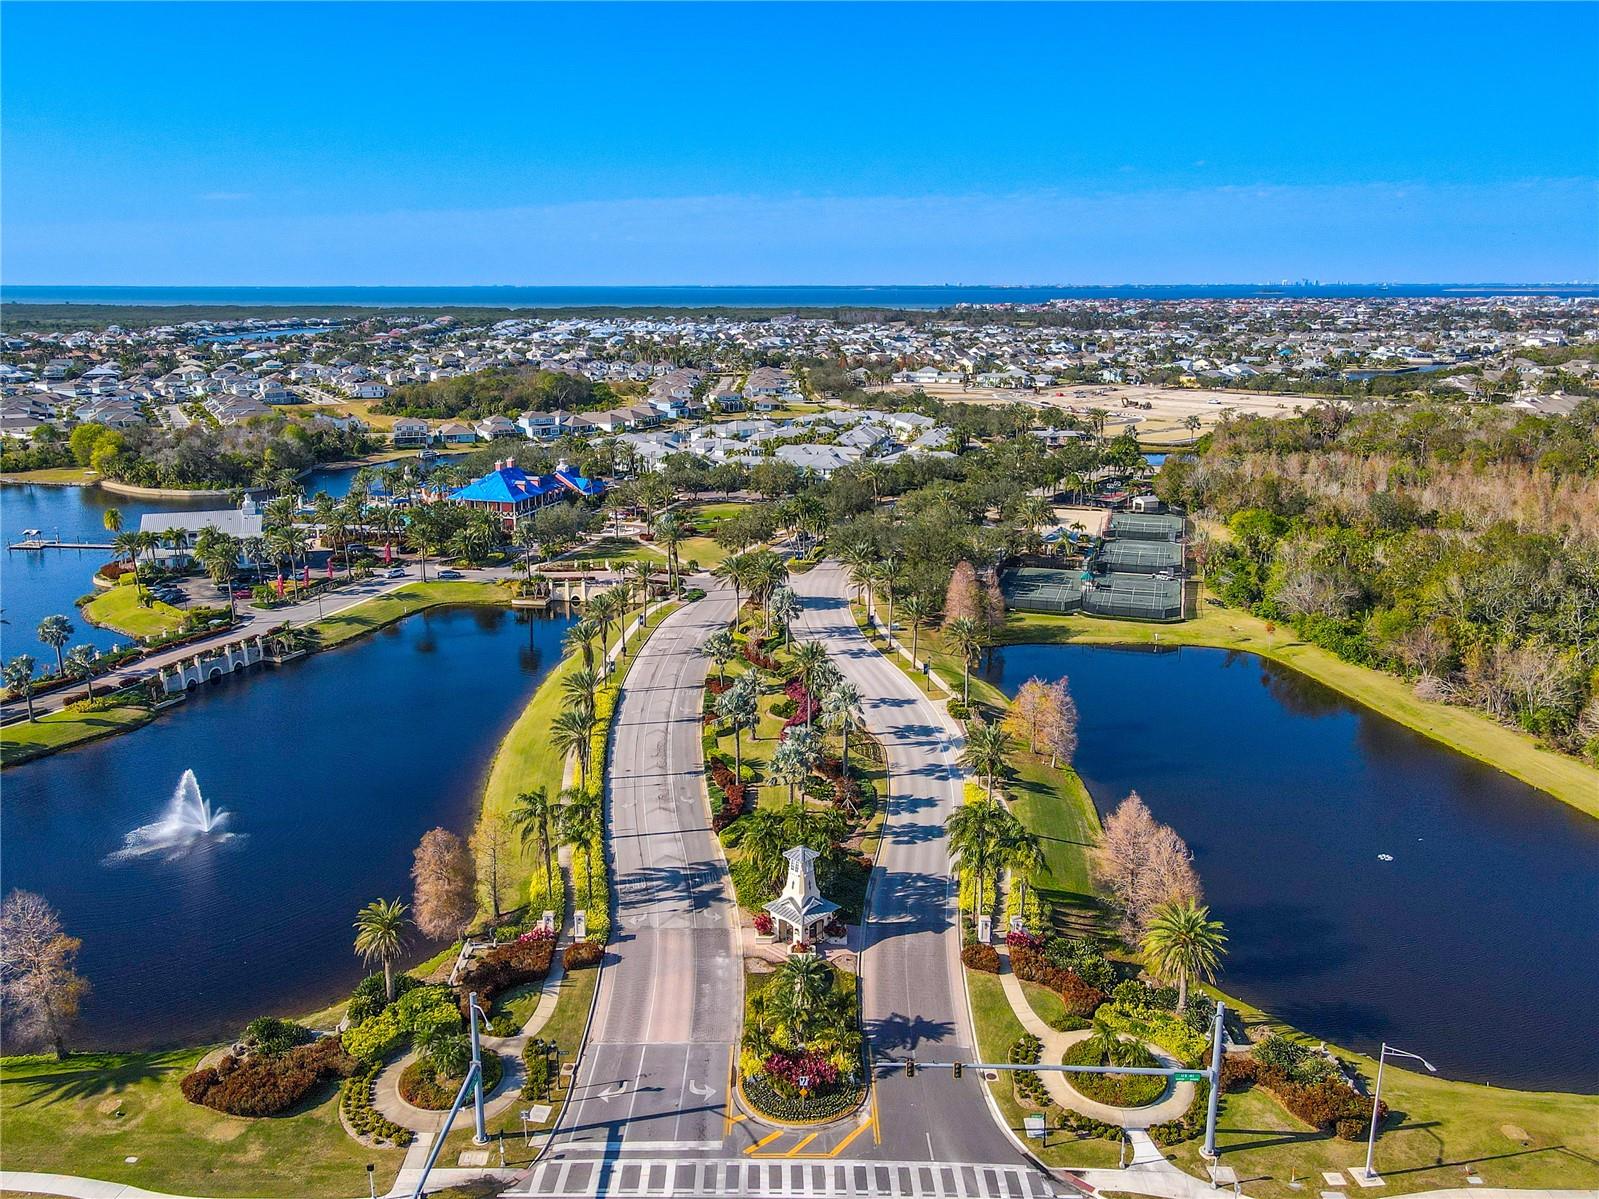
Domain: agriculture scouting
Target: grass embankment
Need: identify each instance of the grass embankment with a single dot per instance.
(53, 476)
(24, 741)
(88, 1114)
(1463, 730)
(380, 610)
(119, 608)
(703, 519)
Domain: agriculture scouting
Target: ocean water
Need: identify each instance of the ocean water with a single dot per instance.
(889, 296)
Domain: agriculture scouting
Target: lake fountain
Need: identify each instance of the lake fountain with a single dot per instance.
(187, 823)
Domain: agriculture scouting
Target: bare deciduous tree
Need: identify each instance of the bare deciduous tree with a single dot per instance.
(491, 846)
(963, 599)
(446, 884)
(1143, 864)
(39, 985)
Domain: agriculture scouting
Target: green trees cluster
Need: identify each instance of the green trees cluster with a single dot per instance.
(502, 392)
(1458, 547)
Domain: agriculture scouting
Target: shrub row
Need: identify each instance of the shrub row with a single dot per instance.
(1030, 965)
(540, 1061)
(582, 953)
(355, 1101)
(734, 796)
(978, 956)
(265, 1086)
(524, 960)
(1188, 1125)
(1029, 1085)
(1331, 1105)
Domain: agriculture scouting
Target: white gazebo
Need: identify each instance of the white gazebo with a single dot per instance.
(801, 907)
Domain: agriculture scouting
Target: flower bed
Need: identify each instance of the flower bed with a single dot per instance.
(981, 957)
(580, 954)
(262, 1085)
(420, 1085)
(1117, 1090)
(779, 1102)
(1328, 1103)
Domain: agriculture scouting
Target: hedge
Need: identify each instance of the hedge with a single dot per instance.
(265, 1086)
(1170, 1032)
(981, 957)
(355, 1102)
(1030, 965)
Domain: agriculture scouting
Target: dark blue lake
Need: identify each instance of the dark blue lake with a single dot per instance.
(332, 767)
(1474, 946)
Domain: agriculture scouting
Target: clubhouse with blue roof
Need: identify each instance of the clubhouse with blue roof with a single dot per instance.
(512, 492)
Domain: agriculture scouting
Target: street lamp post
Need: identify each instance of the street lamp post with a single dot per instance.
(1376, 1098)
(480, 1134)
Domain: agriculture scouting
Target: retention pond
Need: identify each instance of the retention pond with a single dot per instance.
(1375, 884)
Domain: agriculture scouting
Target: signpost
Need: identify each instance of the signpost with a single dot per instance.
(1189, 1076)
(1034, 1125)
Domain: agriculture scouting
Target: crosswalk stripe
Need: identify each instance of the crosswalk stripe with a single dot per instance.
(677, 1178)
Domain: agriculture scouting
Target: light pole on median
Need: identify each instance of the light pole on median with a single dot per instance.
(480, 1134)
(1376, 1097)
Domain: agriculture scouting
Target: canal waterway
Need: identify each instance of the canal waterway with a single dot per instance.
(1473, 945)
(331, 768)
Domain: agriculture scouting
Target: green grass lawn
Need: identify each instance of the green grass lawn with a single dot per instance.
(58, 730)
(77, 476)
(86, 1115)
(612, 549)
(1462, 729)
(119, 608)
(997, 1030)
(385, 609)
(1445, 1129)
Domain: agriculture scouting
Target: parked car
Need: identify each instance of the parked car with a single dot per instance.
(451, 574)
(395, 572)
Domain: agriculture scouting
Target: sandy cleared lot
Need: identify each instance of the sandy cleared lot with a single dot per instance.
(1161, 422)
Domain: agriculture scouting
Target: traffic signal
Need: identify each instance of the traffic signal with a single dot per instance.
(910, 1067)
(958, 1069)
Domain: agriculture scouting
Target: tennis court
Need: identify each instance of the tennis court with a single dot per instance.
(1139, 557)
(1145, 526)
(1134, 597)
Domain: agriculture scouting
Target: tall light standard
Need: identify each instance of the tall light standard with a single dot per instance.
(1376, 1097)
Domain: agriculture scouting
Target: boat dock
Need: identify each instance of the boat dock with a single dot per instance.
(40, 543)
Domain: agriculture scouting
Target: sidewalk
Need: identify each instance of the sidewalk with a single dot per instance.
(1171, 1105)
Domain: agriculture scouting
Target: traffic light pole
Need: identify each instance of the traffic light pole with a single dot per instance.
(1212, 1074)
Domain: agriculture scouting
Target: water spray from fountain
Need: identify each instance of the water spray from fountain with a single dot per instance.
(188, 823)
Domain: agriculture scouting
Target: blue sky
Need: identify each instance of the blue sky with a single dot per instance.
(832, 143)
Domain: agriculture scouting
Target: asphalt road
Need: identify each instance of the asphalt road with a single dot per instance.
(913, 996)
(669, 1006)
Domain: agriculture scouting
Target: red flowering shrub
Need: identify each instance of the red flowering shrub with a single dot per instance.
(764, 923)
(789, 1068)
(716, 686)
(1020, 938)
(981, 957)
(524, 960)
(755, 657)
(732, 796)
(805, 707)
(1330, 1104)
(582, 953)
(1032, 966)
(265, 1086)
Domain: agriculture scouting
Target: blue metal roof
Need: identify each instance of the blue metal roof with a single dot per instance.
(508, 485)
(581, 485)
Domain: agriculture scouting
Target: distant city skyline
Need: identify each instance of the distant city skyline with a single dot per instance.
(728, 145)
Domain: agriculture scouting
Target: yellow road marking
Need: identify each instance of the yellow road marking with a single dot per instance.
(855, 1132)
(803, 1142)
(877, 1131)
(730, 1116)
(766, 1140)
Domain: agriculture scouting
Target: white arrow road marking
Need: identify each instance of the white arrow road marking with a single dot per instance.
(699, 1091)
(607, 1096)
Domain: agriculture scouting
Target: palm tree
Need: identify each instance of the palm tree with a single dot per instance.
(840, 711)
(641, 580)
(917, 612)
(765, 838)
(669, 534)
(580, 640)
(19, 677)
(533, 817)
(579, 687)
(987, 749)
(887, 571)
(734, 570)
(128, 545)
(720, 648)
(801, 989)
(974, 837)
(1019, 851)
(112, 520)
(967, 638)
(768, 573)
(785, 606)
(380, 929)
(56, 631)
(582, 825)
(810, 660)
(605, 609)
(1184, 943)
(526, 538)
(740, 707)
(572, 732)
(793, 758)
